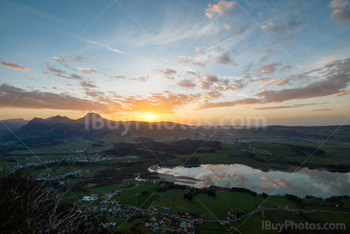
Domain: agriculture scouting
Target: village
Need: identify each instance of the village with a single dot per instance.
(88, 158)
(157, 219)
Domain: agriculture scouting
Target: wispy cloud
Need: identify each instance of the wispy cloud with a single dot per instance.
(326, 109)
(13, 66)
(44, 100)
(166, 73)
(104, 46)
(172, 30)
(284, 107)
(140, 78)
(117, 77)
(61, 73)
(88, 84)
(87, 70)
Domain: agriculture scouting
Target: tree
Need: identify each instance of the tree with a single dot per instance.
(27, 206)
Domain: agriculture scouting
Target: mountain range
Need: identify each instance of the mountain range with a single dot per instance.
(40, 131)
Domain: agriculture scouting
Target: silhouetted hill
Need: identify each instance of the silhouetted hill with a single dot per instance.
(40, 131)
(12, 124)
(333, 132)
(55, 129)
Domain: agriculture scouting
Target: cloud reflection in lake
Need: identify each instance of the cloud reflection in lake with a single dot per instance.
(301, 183)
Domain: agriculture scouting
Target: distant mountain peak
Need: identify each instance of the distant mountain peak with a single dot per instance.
(58, 119)
(89, 117)
(36, 119)
(92, 114)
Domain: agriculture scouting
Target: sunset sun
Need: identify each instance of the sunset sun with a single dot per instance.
(150, 117)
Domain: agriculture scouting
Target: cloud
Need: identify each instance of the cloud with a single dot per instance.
(53, 69)
(61, 73)
(218, 8)
(284, 107)
(280, 82)
(312, 90)
(219, 55)
(341, 93)
(227, 26)
(269, 68)
(76, 59)
(172, 30)
(338, 3)
(341, 15)
(140, 78)
(326, 109)
(267, 83)
(166, 102)
(87, 84)
(247, 101)
(272, 28)
(186, 84)
(79, 58)
(199, 50)
(336, 78)
(223, 59)
(13, 66)
(65, 60)
(204, 85)
(192, 73)
(332, 63)
(44, 100)
(283, 26)
(285, 68)
(214, 94)
(59, 60)
(211, 82)
(211, 78)
(98, 96)
(87, 70)
(117, 77)
(166, 73)
(185, 59)
(105, 46)
(189, 60)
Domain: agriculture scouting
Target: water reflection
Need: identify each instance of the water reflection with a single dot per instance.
(301, 183)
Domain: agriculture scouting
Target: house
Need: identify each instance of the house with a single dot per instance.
(183, 224)
(87, 199)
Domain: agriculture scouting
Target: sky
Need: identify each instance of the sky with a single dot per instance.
(194, 62)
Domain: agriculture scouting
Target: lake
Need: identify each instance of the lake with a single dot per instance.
(304, 182)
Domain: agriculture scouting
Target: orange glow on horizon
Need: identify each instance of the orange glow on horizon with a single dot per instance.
(150, 117)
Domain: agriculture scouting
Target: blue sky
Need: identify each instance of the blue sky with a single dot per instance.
(176, 58)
